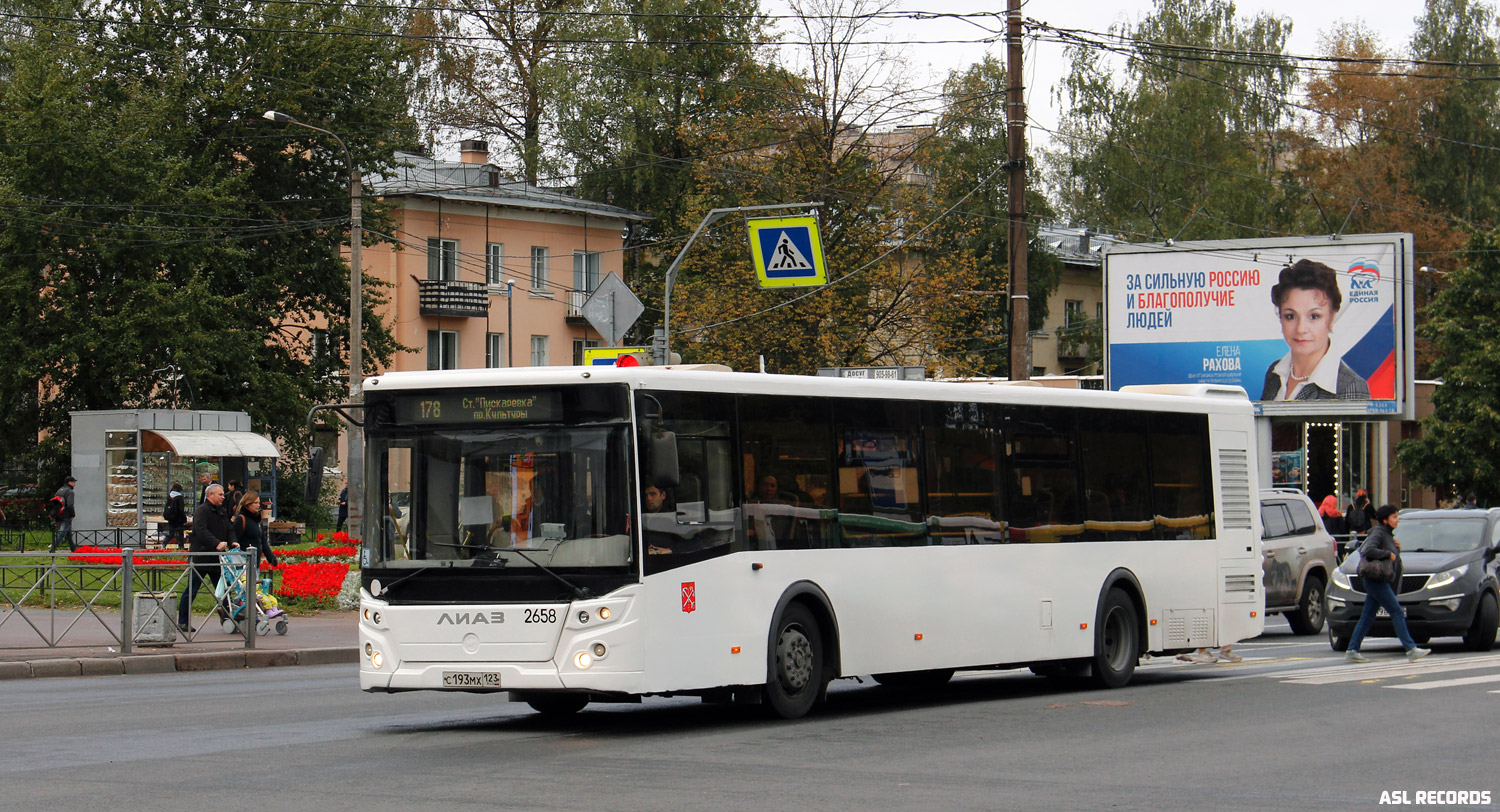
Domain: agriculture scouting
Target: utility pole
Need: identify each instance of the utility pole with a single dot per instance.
(1015, 139)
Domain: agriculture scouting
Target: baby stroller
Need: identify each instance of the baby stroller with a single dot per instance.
(239, 602)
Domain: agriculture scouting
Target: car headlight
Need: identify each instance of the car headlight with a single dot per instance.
(1447, 577)
(1341, 580)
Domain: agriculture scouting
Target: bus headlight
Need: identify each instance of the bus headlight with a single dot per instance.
(583, 660)
(604, 613)
(376, 659)
(600, 650)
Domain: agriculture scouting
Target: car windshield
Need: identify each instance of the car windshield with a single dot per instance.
(1440, 535)
(520, 496)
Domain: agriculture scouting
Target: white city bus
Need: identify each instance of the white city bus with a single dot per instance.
(808, 529)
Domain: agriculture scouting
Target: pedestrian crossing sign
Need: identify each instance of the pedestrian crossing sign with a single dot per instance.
(787, 252)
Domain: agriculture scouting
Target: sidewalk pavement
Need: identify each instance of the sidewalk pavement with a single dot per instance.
(89, 648)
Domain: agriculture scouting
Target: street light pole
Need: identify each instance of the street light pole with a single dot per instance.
(510, 330)
(355, 465)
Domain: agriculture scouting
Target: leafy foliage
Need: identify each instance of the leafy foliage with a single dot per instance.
(157, 220)
(1458, 451)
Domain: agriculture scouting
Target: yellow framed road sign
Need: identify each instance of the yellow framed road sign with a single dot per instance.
(607, 356)
(787, 252)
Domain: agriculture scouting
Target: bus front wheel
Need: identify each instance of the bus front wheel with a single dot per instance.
(796, 680)
(1116, 640)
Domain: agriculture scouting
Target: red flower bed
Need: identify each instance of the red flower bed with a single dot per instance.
(338, 538)
(320, 552)
(315, 580)
(114, 556)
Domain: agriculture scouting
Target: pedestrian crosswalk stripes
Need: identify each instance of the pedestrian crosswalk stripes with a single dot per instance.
(1448, 683)
(1382, 670)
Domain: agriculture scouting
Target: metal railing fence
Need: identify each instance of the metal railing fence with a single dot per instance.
(67, 603)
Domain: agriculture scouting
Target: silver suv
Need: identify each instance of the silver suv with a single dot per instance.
(1299, 558)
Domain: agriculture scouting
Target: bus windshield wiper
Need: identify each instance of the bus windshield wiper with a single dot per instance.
(581, 593)
(386, 588)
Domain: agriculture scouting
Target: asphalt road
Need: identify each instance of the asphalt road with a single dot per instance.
(1293, 727)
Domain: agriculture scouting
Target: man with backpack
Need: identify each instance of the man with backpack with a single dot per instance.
(60, 508)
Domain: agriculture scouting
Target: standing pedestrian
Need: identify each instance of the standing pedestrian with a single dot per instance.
(65, 516)
(175, 514)
(1333, 520)
(343, 509)
(232, 494)
(210, 535)
(1380, 545)
(246, 531)
(204, 480)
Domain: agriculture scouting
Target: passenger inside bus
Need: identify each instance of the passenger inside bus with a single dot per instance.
(658, 542)
(771, 515)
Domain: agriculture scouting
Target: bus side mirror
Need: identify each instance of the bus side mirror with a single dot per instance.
(663, 451)
(314, 475)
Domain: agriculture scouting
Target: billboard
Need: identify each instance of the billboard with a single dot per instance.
(1306, 325)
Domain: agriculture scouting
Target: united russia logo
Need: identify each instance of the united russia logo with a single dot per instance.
(1364, 281)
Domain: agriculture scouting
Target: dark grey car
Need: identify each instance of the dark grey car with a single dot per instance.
(1448, 584)
(1299, 558)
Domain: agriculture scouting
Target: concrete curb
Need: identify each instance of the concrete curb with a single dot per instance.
(168, 663)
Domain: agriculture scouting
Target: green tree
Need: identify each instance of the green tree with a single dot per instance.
(156, 219)
(1186, 145)
(969, 239)
(1458, 451)
(646, 109)
(1457, 167)
(499, 67)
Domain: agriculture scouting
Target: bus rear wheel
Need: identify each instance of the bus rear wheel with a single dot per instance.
(1116, 640)
(557, 704)
(796, 680)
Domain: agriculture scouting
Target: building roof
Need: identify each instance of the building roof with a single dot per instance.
(1076, 246)
(483, 184)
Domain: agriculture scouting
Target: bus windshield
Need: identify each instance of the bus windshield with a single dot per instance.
(510, 496)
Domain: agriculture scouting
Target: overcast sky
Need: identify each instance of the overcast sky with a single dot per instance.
(1046, 63)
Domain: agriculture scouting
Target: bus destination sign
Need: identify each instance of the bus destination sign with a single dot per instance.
(479, 407)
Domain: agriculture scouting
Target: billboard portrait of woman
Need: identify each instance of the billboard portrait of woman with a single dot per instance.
(1307, 300)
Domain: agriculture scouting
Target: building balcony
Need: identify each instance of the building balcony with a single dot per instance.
(576, 300)
(440, 297)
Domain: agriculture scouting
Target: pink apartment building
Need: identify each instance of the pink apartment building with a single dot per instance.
(469, 237)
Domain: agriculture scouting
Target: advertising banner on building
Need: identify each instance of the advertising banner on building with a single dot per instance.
(1307, 326)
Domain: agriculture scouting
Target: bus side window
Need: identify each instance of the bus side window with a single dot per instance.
(962, 442)
(784, 443)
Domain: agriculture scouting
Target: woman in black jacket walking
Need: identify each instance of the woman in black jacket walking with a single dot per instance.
(1380, 545)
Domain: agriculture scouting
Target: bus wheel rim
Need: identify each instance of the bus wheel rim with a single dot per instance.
(794, 658)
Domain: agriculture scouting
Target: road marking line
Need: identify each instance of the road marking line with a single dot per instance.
(1449, 683)
(1359, 673)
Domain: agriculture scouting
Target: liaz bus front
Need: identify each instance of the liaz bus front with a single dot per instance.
(498, 550)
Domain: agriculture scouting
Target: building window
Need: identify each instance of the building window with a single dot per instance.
(319, 347)
(1099, 311)
(579, 345)
(1073, 310)
(538, 351)
(442, 349)
(585, 270)
(540, 257)
(494, 264)
(494, 350)
(442, 259)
